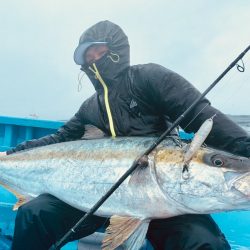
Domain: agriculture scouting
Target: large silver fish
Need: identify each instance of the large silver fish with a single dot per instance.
(80, 172)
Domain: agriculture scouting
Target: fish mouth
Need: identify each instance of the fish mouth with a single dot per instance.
(242, 184)
(236, 171)
(238, 190)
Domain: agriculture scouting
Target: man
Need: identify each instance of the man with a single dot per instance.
(129, 100)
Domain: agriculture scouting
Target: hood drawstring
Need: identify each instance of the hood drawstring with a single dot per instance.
(79, 78)
(106, 100)
(115, 58)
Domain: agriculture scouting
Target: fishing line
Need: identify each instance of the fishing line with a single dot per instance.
(240, 68)
(196, 116)
(228, 99)
(217, 93)
(236, 90)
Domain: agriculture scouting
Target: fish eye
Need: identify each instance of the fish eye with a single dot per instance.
(218, 162)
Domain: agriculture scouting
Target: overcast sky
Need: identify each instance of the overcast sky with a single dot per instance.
(197, 39)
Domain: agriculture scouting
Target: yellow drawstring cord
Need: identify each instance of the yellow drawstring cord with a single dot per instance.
(106, 100)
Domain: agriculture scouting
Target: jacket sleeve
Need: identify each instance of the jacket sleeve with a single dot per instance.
(173, 95)
(71, 130)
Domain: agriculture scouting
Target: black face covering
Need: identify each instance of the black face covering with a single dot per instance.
(108, 67)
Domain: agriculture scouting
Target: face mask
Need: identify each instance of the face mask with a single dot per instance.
(107, 66)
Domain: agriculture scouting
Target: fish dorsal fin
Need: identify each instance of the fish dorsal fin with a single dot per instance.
(127, 231)
(21, 200)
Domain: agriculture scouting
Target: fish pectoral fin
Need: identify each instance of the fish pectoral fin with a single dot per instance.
(137, 177)
(127, 231)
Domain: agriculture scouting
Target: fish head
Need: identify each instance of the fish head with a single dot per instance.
(235, 171)
(213, 180)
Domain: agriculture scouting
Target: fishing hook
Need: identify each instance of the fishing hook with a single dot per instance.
(185, 172)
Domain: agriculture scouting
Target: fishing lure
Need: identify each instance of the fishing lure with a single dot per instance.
(199, 138)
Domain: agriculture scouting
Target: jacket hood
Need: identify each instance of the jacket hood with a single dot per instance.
(117, 42)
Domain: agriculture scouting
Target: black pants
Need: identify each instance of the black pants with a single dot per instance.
(44, 220)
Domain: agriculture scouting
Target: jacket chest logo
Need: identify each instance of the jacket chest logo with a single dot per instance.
(134, 109)
(133, 104)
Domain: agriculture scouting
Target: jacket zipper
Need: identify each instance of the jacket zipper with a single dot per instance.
(106, 99)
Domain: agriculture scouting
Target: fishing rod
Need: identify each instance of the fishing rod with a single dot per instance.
(139, 161)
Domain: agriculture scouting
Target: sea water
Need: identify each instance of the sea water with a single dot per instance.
(235, 225)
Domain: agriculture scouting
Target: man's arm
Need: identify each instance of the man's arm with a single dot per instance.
(72, 130)
(173, 94)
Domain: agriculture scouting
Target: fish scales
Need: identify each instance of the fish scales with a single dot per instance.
(81, 172)
(58, 169)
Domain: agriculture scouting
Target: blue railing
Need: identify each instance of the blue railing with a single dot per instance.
(14, 130)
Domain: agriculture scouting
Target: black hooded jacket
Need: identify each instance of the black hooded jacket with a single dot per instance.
(143, 100)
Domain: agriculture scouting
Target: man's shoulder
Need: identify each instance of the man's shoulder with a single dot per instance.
(143, 76)
(146, 66)
(149, 68)
(89, 101)
(92, 97)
